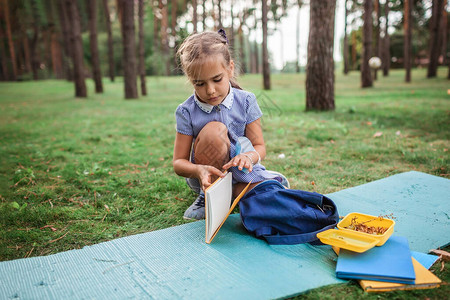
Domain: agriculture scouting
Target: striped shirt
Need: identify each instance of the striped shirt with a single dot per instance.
(237, 110)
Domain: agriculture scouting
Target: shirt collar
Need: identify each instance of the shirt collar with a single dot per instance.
(207, 108)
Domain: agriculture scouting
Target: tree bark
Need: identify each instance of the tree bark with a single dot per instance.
(12, 51)
(3, 56)
(165, 38)
(56, 55)
(93, 43)
(67, 58)
(173, 13)
(142, 48)
(354, 62)
(444, 34)
(194, 15)
(77, 48)
(110, 41)
(243, 61)
(297, 39)
(366, 75)
(156, 24)
(129, 50)
(203, 14)
(219, 8)
(54, 46)
(320, 65)
(26, 48)
(407, 49)
(346, 63)
(386, 42)
(438, 6)
(377, 45)
(265, 52)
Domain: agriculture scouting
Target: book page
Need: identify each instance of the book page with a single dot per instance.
(218, 200)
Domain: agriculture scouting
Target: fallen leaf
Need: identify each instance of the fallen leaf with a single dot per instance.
(443, 254)
(49, 226)
(377, 134)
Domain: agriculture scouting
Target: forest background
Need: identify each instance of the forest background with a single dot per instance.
(74, 173)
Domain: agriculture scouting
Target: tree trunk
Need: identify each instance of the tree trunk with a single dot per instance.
(174, 17)
(444, 34)
(34, 51)
(12, 51)
(366, 75)
(142, 48)
(53, 44)
(354, 62)
(448, 71)
(407, 49)
(438, 6)
(174, 32)
(56, 55)
(110, 41)
(243, 61)
(26, 49)
(320, 65)
(67, 59)
(297, 40)
(95, 60)
(265, 52)
(346, 63)
(77, 48)
(377, 45)
(194, 15)
(203, 14)
(3, 56)
(231, 37)
(219, 7)
(129, 50)
(386, 42)
(165, 38)
(156, 24)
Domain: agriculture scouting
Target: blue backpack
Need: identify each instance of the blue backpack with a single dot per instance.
(285, 216)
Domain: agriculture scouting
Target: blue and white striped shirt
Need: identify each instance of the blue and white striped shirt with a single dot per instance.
(237, 110)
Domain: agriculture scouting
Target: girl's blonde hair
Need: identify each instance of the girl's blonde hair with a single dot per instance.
(198, 47)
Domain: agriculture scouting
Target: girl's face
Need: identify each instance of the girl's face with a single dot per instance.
(212, 82)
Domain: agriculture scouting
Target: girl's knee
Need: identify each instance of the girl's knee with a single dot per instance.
(214, 128)
(214, 132)
(212, 144)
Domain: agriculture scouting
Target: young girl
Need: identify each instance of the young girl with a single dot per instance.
(219, 126)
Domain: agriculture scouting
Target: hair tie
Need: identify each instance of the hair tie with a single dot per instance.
(223, 34)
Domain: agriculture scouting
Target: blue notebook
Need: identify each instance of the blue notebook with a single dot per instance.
(390, 262)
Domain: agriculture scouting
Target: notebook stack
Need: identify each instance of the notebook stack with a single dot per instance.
(385, 268)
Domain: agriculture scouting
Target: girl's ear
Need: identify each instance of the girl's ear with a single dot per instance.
(231, 69)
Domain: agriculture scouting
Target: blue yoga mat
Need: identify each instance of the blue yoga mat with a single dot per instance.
(175, 263)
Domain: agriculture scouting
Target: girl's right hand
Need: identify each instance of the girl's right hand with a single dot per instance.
(207, 175)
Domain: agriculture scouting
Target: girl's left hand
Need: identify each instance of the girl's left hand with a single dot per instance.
(241, 161)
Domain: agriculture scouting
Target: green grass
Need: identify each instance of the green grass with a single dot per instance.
(74, 172)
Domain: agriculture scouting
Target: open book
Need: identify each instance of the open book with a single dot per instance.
(218, 198)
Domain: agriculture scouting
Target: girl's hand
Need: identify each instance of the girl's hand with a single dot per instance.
(207, 175)
(241, 161)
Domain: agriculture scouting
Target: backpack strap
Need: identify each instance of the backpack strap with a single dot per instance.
(309, 237)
